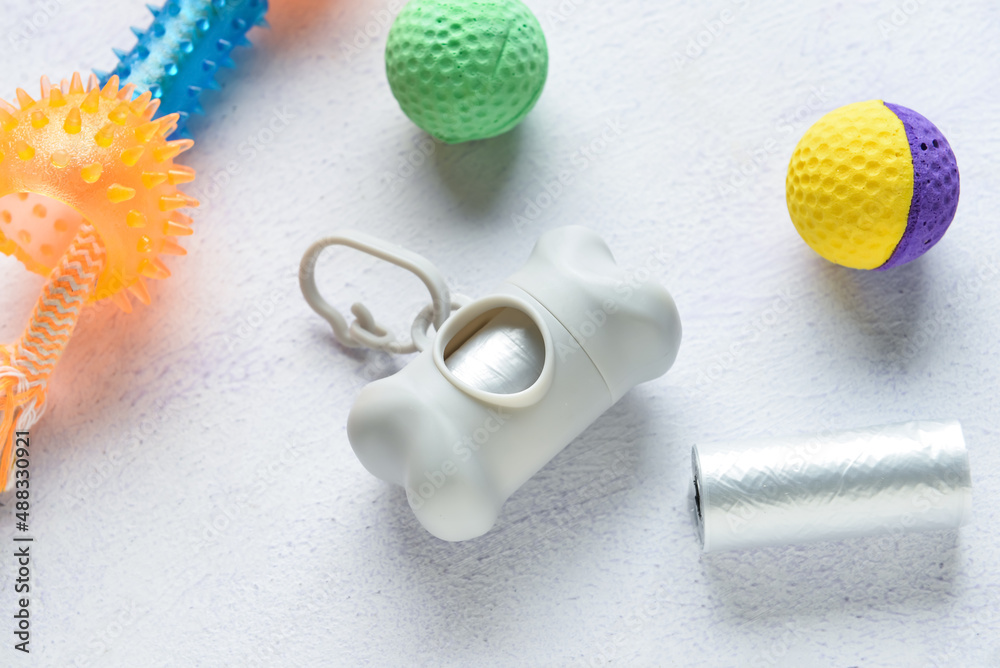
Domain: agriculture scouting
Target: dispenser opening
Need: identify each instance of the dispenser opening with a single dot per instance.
(501, 351)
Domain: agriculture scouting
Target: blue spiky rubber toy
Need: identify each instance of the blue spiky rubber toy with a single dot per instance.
(178, 56)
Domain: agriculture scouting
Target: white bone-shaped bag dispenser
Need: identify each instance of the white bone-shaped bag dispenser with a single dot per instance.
(508, 380)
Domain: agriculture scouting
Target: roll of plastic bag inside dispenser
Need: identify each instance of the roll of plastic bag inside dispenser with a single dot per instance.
(890, 479)
(510, 379)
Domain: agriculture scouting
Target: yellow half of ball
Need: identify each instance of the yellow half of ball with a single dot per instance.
(850, 184)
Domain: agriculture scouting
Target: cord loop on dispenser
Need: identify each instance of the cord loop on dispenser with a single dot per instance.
(365, 331)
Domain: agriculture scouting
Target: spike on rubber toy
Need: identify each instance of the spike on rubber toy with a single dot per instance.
(178, 56)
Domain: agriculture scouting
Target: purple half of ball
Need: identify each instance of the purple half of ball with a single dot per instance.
(935, 187)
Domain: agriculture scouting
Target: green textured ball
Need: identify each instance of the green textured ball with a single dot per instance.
(466, 69)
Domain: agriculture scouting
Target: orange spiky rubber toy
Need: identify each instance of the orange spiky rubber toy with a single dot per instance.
(89, 188)
(102, 159)
(94, 189)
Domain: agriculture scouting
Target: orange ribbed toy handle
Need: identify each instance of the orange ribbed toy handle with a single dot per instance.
(25, 367)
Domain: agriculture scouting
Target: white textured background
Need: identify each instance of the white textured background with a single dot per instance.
(196, 500)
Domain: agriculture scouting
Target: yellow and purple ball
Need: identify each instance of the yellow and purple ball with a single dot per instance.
(872, 185)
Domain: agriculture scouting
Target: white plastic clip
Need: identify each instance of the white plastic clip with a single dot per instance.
(365, 332)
